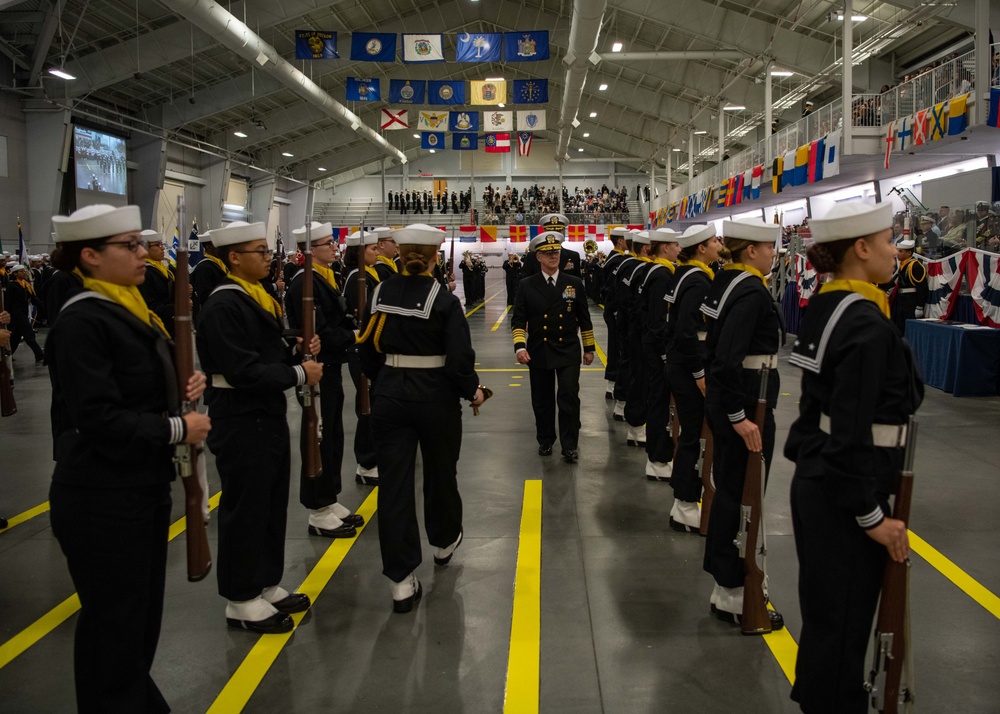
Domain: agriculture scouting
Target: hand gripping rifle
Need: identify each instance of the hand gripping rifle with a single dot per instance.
(708, 486)
(199, 557)
(755, 620)
(309, 433)
(8, 407)
(364, 401)
(892, 637)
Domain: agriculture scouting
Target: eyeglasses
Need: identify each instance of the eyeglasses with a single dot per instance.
(259, 251)
(155, 244)
(133, 245)
(323, 245)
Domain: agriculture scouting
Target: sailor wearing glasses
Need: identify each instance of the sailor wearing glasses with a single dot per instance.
(158, 287)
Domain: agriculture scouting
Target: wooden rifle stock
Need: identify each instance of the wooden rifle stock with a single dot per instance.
(891, 635)
(708, 488)
(199, 557)
(309, 434)
(8, 406)
(364, 401)
(755, 619)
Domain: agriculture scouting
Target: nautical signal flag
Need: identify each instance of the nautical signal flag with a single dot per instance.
(465, 142)
(958, 115)
(531, 91)
(576, 234)
(524, 143)
(431, 140)
(723, 191)
(993, 117)
(393, 119)
(487, 234)
(407, 91)
(373, 46)
(777, 168)
(526, 46)
(937, 122)
(478, 47)
(788, 175)
(467, 234)
(817, 157)
(315, 45)
(422, 48)
(904, 134)
(890, 141)
(489, 92)
(518, 234)
(919, 128)
(498, 143)
(463, 121)
(445, 92)
(363, 89)
(533, 231)
(832, 166)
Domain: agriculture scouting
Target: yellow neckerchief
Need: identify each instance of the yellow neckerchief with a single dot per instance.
(372, 272)
(663, 261)
(212, 259)
(747, 269)
(28, 287)
(259, 295)
(865, 290)
(160, 267)
(701, 266)
(644, 259)
(128, 297)
(619, 252)
(326, 273)
(389, 262)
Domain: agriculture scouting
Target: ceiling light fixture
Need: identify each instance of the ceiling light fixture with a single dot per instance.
(586, 134)
(733, 108)
(781, 73)
(61, 73)
(285, 153)
(840, 17)
(677, 150)
(240, 134)
(602, 88)
(416, 136)
(616, 47)
(433, 151)
(500, 105)
(322, 169)
(494, 79)
(699, 133)
(593, 115)
(579, 149)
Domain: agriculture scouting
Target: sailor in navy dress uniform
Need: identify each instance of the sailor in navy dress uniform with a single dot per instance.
(208, 274)
(113, 387)
(621, 239)
(550, 310)
(386, 265)
(158, 287)
(635, 390)
(569, 260)
(364, 439)
(911, 287)
(659, 280)
(745, 330)
(327, 516)
(240, 345)
(620, 291)
(859, 388)
(685, 371)
(417, 347)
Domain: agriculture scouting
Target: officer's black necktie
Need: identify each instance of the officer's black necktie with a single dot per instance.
(552, 282)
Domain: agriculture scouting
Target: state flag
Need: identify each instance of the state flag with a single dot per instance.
(315, 45)
(407, 91)
(526, 46)
(431, 140)
(363, 89)
(958, 115)
(394, 119)
(831, 167)
(531, 91)
(518, 234)
(531, 120)
(576, 234)
(373, 46)
(993, 116)
(478, 47)
(468, 234)
(463, 121)
(498, 121)
(422, 48)
(445, 92)
(465, 142)
(488, 92)
(432, 121)
(524, 143)
(498, 143)
(487, 234)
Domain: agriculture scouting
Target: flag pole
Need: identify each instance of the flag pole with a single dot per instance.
(472, 189)
(385, 208)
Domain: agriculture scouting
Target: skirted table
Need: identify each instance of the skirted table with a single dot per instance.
(961, 359)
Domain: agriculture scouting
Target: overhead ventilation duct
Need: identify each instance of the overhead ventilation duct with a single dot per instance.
(230, 32)
(676, 55)
(583, 34)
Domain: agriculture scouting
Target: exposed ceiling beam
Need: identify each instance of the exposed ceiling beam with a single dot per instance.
(44, 41)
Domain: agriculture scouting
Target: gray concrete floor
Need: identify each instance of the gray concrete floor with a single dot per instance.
(624, 603)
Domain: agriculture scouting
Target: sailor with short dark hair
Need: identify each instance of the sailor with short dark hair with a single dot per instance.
(635, 389)
(910, 294)
(620, 239)
(158, 287)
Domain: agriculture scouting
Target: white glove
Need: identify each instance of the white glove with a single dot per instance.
(919, 312)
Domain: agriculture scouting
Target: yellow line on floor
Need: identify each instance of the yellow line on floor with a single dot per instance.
(500, 321)
(600, 353)
(784, 648)
(962, 580)
(483, 302)
(244, 682)
(521, 695)
(26, 516)
(19, 643)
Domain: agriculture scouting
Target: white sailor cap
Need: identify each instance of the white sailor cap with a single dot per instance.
(382, 232)
(319, 231)
(34, 257)
(544, 242)
(417, 234)
(554, 222)
(205, 237)
(6, 255)
(663, 235)
(17, 267)
(905, 245)
(641, 237)
(150, 236)
(927, 218)
(45, 255)
(696, 234)
(238, 232)
(620, 231)
(851, 220)
(752, 229)
(98, 221)
(354, 239)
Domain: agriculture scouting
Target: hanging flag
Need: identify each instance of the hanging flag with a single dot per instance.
(524, 143)
(776, 171)
(498, 143)
(732, 190)
(478, 47)
(431, 140)
(526, 46)
(487, 234)
(445, 92)
(937, 123)
(22, 252)
(531, 120)
(171, 251)
(919, 128)
(993, 117)
(393, 119)
(518, 234)
(832, 166)
(463, 121)
(363, 89)
(422, 48)
(943, 279)
(465, 142)
(373, 46)
(407, 91)
(738, 189)
(531, 91)
(576, 234)
(747, 192)
(671, 213)
(817, 153)
(984, 278)
(801, 176)
(533, 231)
(723, 192)
(498, 121)
(756, 175)
(468, 234)
(315, 45)
(958, 115)
(788, 175)
(905, 133)
(596, 231)
(890, 142)
(488, 92)
(432, 121)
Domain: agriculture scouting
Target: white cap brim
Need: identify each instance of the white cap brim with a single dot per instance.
(418, 234)
(99, 221)
(752, 229)
(238, 232)
(319, 231)
(696, 234)
(851, 220)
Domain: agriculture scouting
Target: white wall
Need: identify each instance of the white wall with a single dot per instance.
(13, 183)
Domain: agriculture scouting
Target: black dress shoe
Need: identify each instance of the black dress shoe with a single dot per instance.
(545, 450)
(571, 456)
(276, 624)
(407, 604)
(366, 480)
(3, 523)
(295, 602)
(353, 520)
(447, 559)
(777, 621)
(344, 531)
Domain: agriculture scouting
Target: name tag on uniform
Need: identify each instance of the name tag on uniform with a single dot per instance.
(569, 293)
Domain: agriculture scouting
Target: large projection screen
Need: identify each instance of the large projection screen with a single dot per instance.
(99, 159)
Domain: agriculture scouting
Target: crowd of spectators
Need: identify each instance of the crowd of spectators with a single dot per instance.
(946, 231)
(526, 206)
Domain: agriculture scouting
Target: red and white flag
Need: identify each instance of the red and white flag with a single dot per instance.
(524, 143)
(498, 143)
(890, 141)
(394, 119)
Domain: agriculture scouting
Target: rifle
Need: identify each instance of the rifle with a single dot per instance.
(892, 636)
(755, 620)
(708, 488)
(186, 456)
(8, 406)
(309, 433)
(364, 401)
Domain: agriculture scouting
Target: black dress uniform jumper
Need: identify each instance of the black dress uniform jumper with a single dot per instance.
(250, 364)
(335, 328)
(610, 308)
(653, 305)
(685, 364)
(364, 440)
(623, 320)
(857, 372)
(158, 292)
(113, 384)
(418, 326)
(910, 294)
(635, 392)
(546, 320)
(385, 268)
(19, 299)
(745, 326)
(207, 275)
(512, 276)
